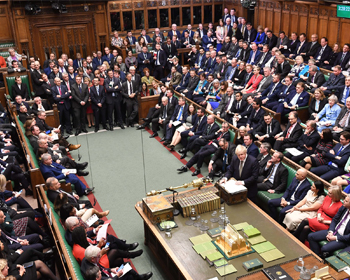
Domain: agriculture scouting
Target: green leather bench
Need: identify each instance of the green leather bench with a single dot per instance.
(7, 45)
(5, 54)
(10, 80)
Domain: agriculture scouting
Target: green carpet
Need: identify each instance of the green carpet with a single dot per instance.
(124, 165)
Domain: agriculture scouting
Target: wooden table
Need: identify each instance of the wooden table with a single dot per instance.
(180, 261)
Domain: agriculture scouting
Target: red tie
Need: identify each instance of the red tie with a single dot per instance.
(288, 132)
(59, 88)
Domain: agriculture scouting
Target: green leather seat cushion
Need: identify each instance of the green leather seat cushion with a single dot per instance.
(11, 81)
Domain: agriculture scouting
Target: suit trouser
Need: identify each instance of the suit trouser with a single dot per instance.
(190, 141)
(281, 146)
(315, 237)
(217, 166)
(158, 72)
(273, 204)
(201, 155)
(116, 106)
(169, 132)
(34, 243)
(79, 185)
(282, 110)
(184, 138)
(131, 109)
(189, 94)
(196, 144)
(65, 118)
(80, 117)
(264, 186)
(327, 172)
(156, 125)
(15, 173)
(100, 116)
(296, 158)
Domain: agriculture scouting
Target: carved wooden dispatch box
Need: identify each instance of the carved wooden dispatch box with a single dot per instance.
(157, 209)
(230, 198)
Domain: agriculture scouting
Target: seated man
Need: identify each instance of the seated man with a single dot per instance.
(40, 105)
(91, 260)
(263, 157)
(221, 159)
(256, 116)
(15, 67)
(342, 123)
(226, 102)
(271, 93)
(20, 101)
(162, 119)
(236, 107)
(242, 118)
(306, 143)
(267, 130)
(334, 83)
(287, 89)
(208, 149)
(24, 114)
(245, 169)
(292, 102)
(53, 169)
(338, 234)
(275, 175)
(289, 138)
(252, 149)
(191, 85)
(20, 89)
(197, 140)
(337, 157)
(294, 193)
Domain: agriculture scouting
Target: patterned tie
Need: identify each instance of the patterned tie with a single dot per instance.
(270, 174)
(240, 168)
(342, 221)
(343, 120)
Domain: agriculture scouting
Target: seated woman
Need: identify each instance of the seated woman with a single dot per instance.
(325, 214)
(241, 132)
(328, 64)
(155, 90)
(147, 78)
(11, 263)
(28, 126)
(197, 38)
(213, 92)
(254, 81)
(306, 208)
(343, 180)
(323, 147)
(213, 104)
(198, 94)
(260, 36)
(297, 68)
(140, 44)
(109, 257)
(127, 45)
(130, 60)
(317, 103)
(144, 90)
(190, 121)
(328, 115)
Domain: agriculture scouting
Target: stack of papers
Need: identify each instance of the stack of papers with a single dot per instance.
(272, 255)
(225, 270)
(263, 247)
(232, 187)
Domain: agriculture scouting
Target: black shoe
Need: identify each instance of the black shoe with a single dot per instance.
(70, 132)
(82, 173)
(105, 127)
(77, 132)
(127, 122)
(29, 192)
(162, 139)
(122, 126)
(66, 137)
(197, 172)
(82, 166)
(88, 191)
(84, 130)
(171, 147)
(218, 174)
(145, 119)
(146, 276)
(183, 169)
(183, 156)
(111, 128)
(154, 135)
(96, 129)
(182, 150)
(166, 142)
(115, 124)
(132, 124)
(140, 127)
(133, 246)
(136, 253)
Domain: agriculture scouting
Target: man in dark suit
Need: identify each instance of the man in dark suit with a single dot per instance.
(242, 118)
(52, 169)
(36, 76)
(40, 105)
(44, 90)
(222, 69)
(264, 56)
(256, 116)
(337, 157)
(335, 82)
(283, 66)
(267, 130)
(342, 123)
(344, 92)
(24, 114)
(145, 36)
(170, 50)
(54, 189)
(184, 80)
(287, 89)
(221, 159)
(191, 85)
(324, 52)
(174, 31)
(130, 92)
(271, 39)
(130, 38)
(225, 104)
(15, 67)
(264, 156)
(292, 45)
(315, 79)
(61, 97)
(271, 93)
(160, 61)
(245, 53)
(250, 33)
(301, 47)
(187, 40)
(196, 130)
(282, 41)
(198, 140)
(294, 193)
(98, 103)
(343, 57)
(238, 106)
(252, 149)
(231, 71)
(338, 234)
(209, 144)
(254, 54)
(55, 73)
(20, 89)
(275, 175)
(312, 48)
(97, 61)
(201, 30)
(80, 96)
(144, 60)
(306, 143)
(289, 137)
(299, 99)
(245, 169)
(135, 77)
(114, 99)
(162, 119)
(208, 40)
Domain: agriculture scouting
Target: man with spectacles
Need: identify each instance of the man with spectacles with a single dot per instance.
(292, 102)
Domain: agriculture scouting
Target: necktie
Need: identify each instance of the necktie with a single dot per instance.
(224, 161)
(68, 194)
(289, 131)
(228, 103)
(9, 238)
(104, 270)
(320, 54)
(270, 174)
(240, 168)
(341, 222)
(231, 74)
(180, 113)
(208, 129)
(344, 119)
(268, 128)
(238, 53)
(158, 58)
(342, 58)
(164, 112)
(130, 88)
(197, 126)
(301, 44)
(145, 56)
(80, 88)
(262, 58)
(99, 61)
(237, 107)
(59, 89)
(242, 30)
(346, 95)
(293, 195)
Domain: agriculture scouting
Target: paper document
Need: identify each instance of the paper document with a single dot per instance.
(71, 171)
(92, 220)
(102, 232)
(232, 187)
(176, 123)
(54, 136)
(127, 267)
(294, 151)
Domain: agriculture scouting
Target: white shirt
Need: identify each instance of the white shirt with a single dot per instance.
(272, 177)
(343, 225)
(293, 195)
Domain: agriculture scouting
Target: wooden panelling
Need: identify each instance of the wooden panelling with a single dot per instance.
(5, 30)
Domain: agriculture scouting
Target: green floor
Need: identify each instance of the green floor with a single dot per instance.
(124, 165)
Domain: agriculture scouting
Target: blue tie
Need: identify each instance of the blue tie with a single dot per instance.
(180, 114)
(200, 59)
(224, 162)
(339, 151)
(346, 95)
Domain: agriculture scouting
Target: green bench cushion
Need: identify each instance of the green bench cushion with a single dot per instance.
(7, 45)
(11, 81)
(4, 54)
(73, 261)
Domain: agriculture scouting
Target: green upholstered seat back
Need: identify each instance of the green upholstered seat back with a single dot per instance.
(5, 54)
(7, 45)
(30, 151)
(11, 81)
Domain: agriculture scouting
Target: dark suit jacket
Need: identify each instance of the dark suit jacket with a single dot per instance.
(302, 101)
(319, 79)
(283, 71)
(250, 173)
(233, 109)
(264, 61)
(246, 78)
(336, 220)
(162, 58)
(325, 56)
(252, 36)
(309, 141)
(141, 59)
(204, 32)
(44, 90)
(169, 112)
(219, 154)
(96, 63)
(211, 134)
(280, 179)
(340, 116)
(245, 53)
(335, 83)
(312, 50)
(134, 89)
(299, 194)
(283, 95)
(255, 119)
(171, 33)
(22, 92)
(184, 80)
(78, 96)
(184, 113)
(172, 52)
(294, 136)
(192, 83)
(253, 150)
(198, 128)
(312, 105)
(291, 46)
(35, 79)
(262, 162)
(345, 60)
(51, 195)
(64, 97)
(183, 40)
(344, 155)
(262, 129)
(97, 98)
(43, 126)
(301, 50)
(272, 42)
(339, 94)
(52, 75)
(272, 96)
(110, 90)
(257, 54)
